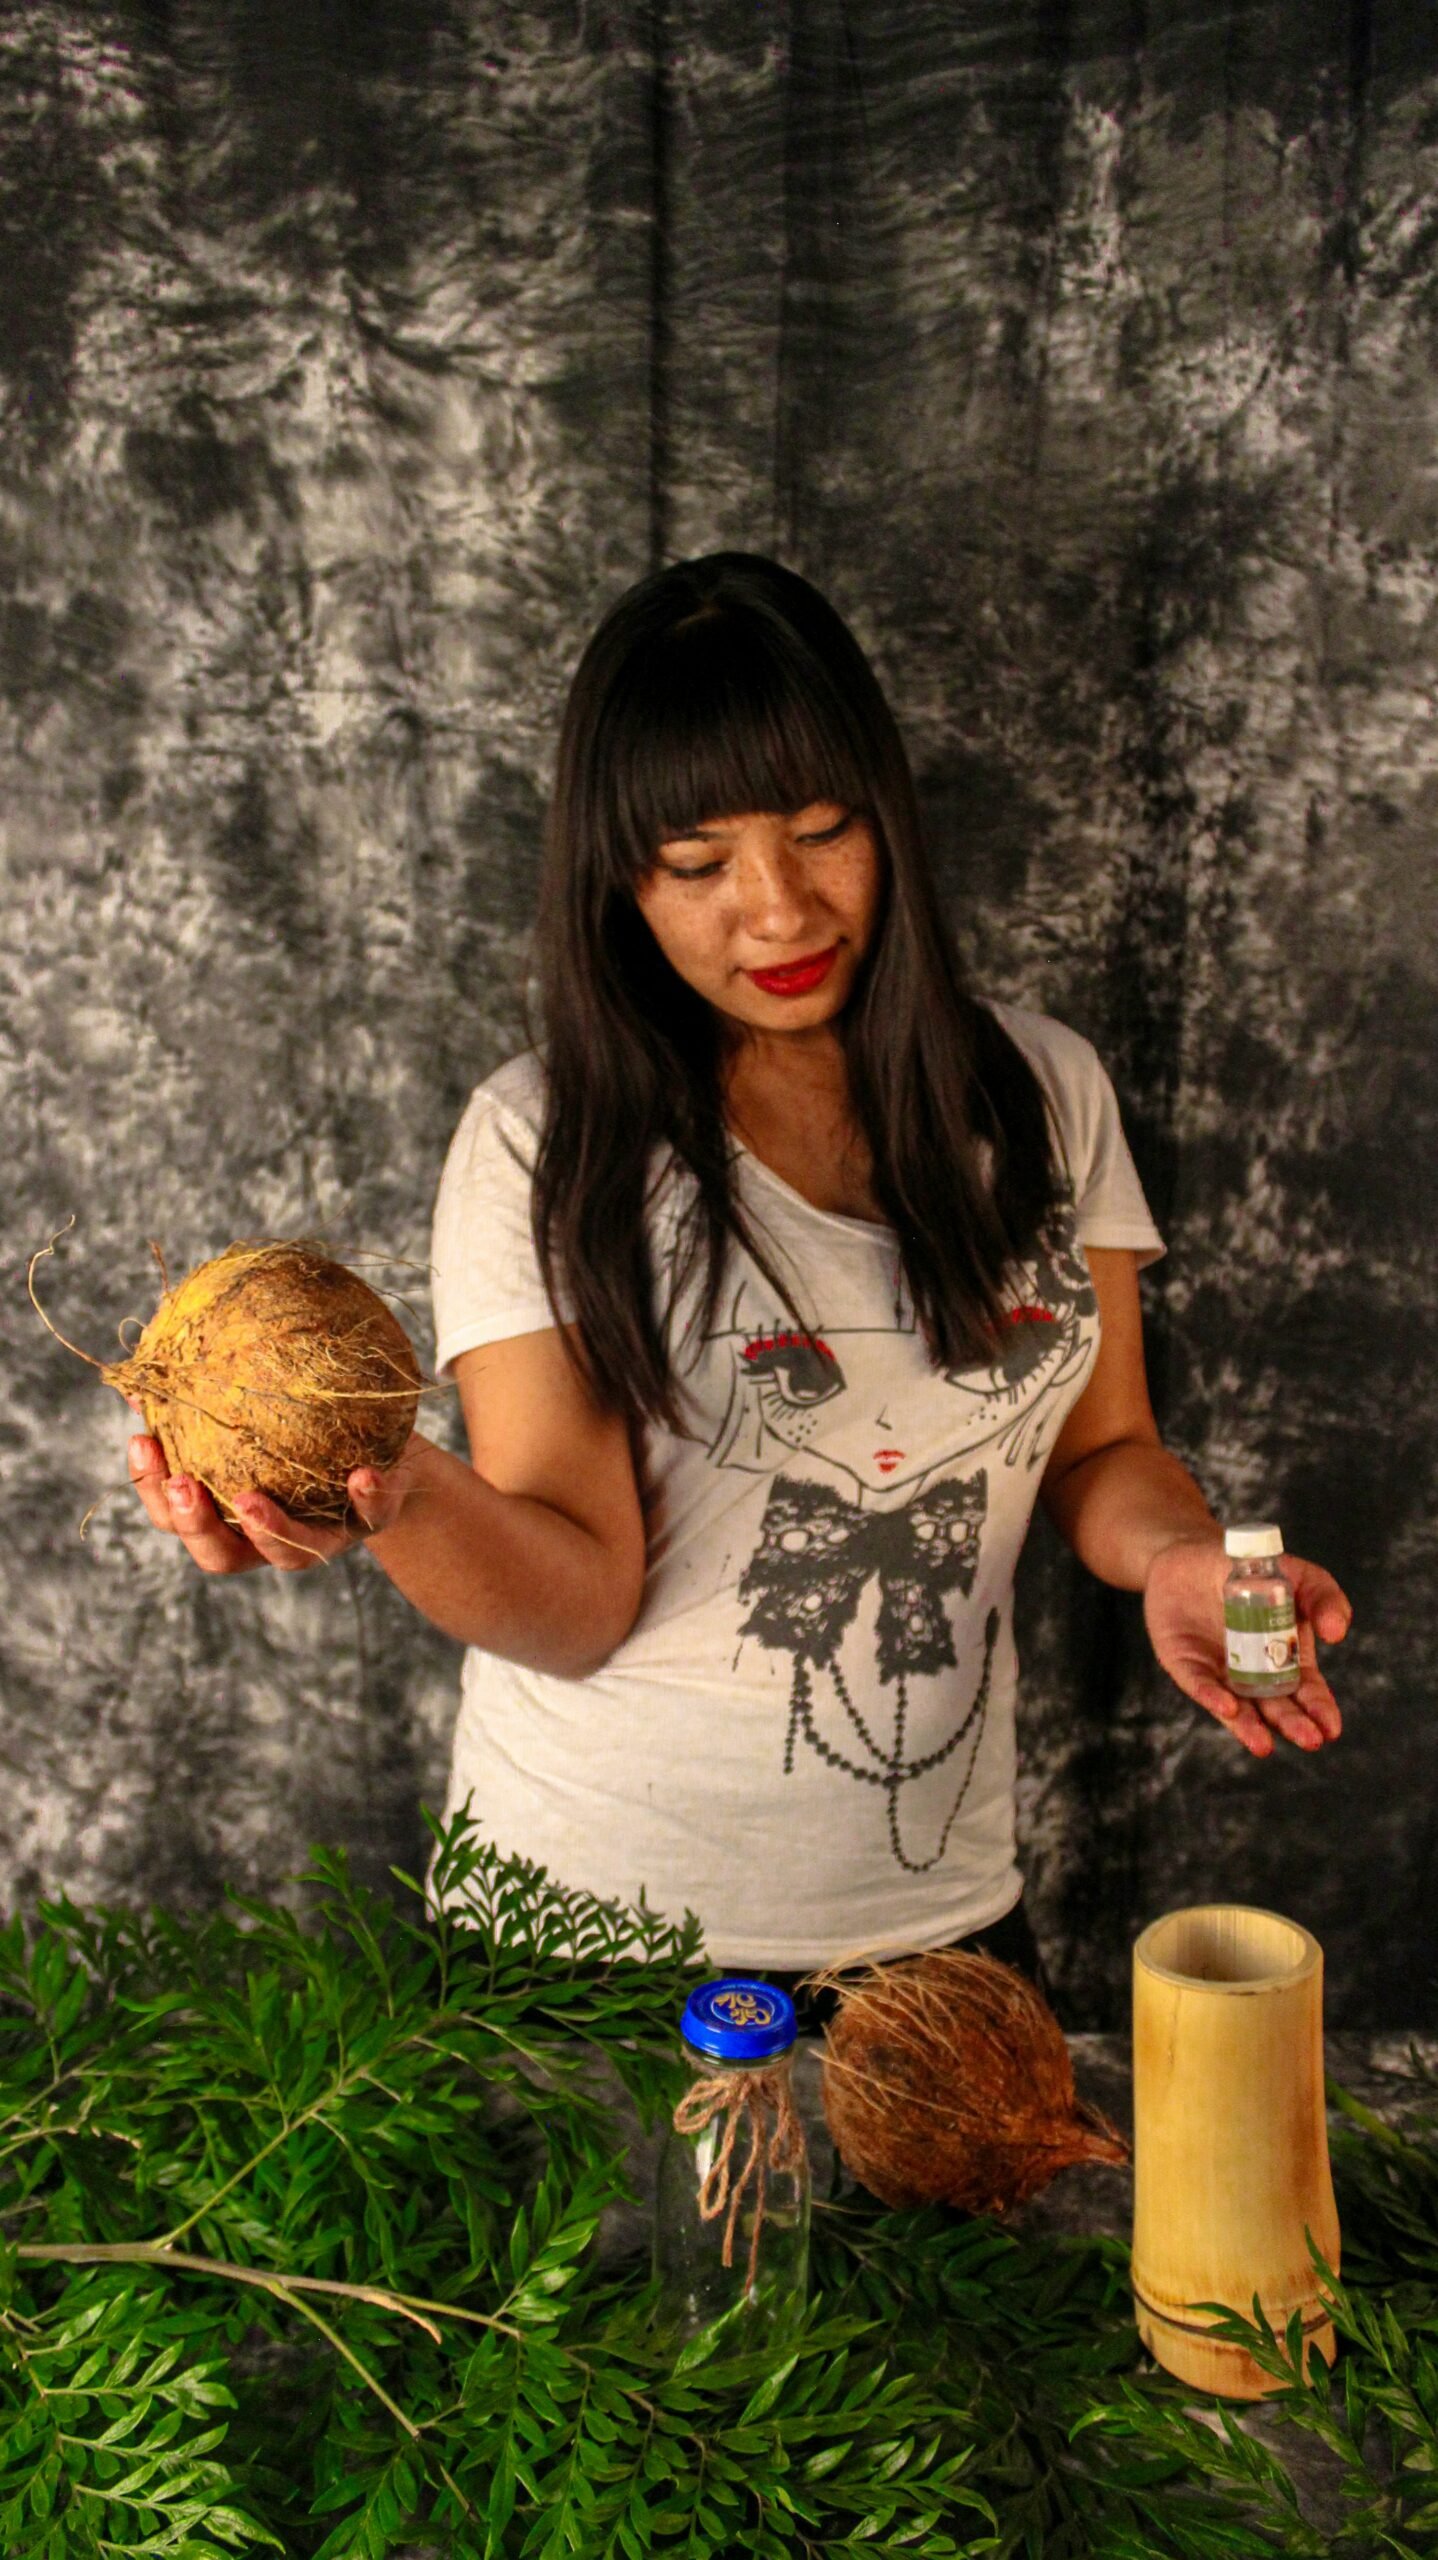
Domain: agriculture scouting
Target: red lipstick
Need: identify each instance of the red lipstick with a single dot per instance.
(799, 977)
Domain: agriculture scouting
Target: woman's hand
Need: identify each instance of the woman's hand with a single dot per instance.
(184, 1510)
(1183, 1610)
(533, 1547)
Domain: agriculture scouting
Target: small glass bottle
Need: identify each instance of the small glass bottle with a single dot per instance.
(731, 2221)
(1260, 1616)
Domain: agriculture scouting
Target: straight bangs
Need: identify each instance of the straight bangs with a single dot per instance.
(719, 717)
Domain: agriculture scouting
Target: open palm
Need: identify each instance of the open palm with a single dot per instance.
(1183, 1611)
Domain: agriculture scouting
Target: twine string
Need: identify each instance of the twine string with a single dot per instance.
(744, 2097)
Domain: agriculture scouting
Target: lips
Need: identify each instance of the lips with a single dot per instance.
(886, 1460)
(798, 977)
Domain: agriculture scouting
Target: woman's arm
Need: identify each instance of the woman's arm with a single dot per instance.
(1110, 1486)
(535, 1550)
(1134, 1515)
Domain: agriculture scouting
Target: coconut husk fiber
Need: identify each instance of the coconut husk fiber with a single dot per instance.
(947, 2080)
(275, 1369)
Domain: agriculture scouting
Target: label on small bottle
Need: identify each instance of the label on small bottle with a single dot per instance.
(1266, 1650)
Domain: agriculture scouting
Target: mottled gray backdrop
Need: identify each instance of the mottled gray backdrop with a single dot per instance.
(354, 357)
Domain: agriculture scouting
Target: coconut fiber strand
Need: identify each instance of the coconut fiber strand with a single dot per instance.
(276, 1370)
(947, 2080)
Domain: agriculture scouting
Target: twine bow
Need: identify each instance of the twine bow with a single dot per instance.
(734, 2096)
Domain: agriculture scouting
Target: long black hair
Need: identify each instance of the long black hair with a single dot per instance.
(717, 687)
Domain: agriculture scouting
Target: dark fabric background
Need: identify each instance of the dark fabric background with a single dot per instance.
(354, 358)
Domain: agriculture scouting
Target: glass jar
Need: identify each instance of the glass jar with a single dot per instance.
(731, 2221)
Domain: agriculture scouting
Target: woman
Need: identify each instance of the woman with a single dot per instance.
(775, 1293)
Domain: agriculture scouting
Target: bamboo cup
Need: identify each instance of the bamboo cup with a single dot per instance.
(1230, 2137)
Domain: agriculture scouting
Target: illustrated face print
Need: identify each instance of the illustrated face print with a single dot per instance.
(1011, 1401)
(840, 1400)
(789, 1387)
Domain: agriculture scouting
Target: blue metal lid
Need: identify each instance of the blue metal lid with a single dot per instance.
(736, 2020)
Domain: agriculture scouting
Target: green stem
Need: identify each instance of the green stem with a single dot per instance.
(339, 2088)
(285, 2289)
(308, 2312)
(156, 2253)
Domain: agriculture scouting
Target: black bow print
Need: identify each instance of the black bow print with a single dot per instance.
(816, 1551)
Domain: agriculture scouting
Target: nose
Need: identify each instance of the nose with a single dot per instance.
(774, 895)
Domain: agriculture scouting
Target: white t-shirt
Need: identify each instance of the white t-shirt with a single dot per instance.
(808, 1736)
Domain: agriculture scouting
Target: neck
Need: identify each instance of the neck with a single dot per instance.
(802, 1064)
(787, 1099)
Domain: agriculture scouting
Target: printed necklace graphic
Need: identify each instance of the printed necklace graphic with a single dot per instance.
(815, 1554)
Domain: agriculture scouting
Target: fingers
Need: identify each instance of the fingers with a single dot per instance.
(1327, 1608)
(262, 1534)
(1240, 1717)
(209, 1541)
(291, 1546)
(1297, 1719)
(182, 1509)
(377, 1499)
(1308, 1717)
(1313, 1695)
(148, 1473)
(1191, 1672)
(1247, 1726)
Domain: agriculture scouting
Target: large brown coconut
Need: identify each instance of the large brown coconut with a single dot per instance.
(947, 2080)
(275, 1370)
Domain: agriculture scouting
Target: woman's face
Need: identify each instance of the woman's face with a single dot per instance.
(768, 916)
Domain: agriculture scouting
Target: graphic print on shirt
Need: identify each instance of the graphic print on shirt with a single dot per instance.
(816, 1554)
(791, 1389)
(874, 1522)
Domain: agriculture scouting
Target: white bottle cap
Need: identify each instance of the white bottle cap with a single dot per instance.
(1253, 1538)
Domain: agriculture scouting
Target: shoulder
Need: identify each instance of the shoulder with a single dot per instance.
(1063, 1060)
(486, 1281)
(518, 1088)
(1075, 1086)
(509, 1104)
(1084, 1111)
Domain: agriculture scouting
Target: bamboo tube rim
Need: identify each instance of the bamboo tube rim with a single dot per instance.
(1165, 1938)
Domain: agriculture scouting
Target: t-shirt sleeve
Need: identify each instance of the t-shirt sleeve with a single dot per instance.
(1108, 1196)
(484, 1269)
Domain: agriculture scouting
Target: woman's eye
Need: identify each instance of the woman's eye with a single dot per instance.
(828, 835)
(691, 871)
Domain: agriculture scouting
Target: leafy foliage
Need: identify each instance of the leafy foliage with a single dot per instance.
(299, 2233)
